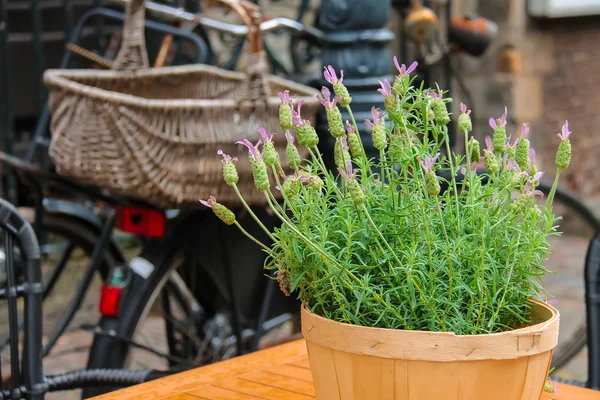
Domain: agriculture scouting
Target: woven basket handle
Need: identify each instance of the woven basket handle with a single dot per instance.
(255, 88)
(133, 54)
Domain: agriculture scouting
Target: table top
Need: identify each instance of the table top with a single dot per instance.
(278, 373)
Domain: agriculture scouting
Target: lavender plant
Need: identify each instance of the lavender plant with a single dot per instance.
(390, 243)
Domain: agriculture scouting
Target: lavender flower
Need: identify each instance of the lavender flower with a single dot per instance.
(334, 116)
(341, 92)
(349, 174)
(429, 162)
(264, 135)
(210, 202)
(252, 149)
(230, 174)
(563, 155)
(464, 120)
(500, 122)
(523, 146)
(226, 158)
(291, 152)
(331, 75)
(379, 133)
(431, 181)
(402, 69)
(222, 212)
(270, 155)
(386, 88)
(307, 136)
(285, 110)
(564, 135)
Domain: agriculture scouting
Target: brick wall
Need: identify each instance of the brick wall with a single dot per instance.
(570, 90)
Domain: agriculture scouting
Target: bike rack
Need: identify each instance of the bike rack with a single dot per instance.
(26, 380)
(592, 308)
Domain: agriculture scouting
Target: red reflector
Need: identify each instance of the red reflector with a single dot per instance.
(141, 221)
(109, 300)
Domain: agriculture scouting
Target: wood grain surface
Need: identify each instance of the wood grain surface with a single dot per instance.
(278, 373)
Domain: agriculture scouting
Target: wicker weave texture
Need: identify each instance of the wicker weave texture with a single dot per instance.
(153, 134)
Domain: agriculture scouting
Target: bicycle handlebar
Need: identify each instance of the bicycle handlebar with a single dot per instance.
(209, 23)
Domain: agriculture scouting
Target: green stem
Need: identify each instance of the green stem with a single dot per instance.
(453, 171)
(237, 191)
(451, 268)
(414, 283)
(258, 242)
(337, 264)
(550, 198)
(356, 129)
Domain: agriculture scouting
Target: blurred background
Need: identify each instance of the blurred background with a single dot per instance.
(540, 58)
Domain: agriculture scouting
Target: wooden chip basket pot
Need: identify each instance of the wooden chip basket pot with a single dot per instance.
(350, 362)
(153, 134)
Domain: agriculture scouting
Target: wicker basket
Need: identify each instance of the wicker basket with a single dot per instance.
(153, 134)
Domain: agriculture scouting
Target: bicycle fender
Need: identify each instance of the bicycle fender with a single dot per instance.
(85, 215)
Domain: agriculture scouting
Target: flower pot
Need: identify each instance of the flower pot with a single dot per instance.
(350, 362)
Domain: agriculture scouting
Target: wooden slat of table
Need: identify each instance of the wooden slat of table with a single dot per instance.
(279, 373)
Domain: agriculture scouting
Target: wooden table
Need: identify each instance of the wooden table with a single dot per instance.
(278, 373)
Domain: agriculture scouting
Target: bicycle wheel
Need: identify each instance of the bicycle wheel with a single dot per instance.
(68, 243)
(180, 316)
(565, 287)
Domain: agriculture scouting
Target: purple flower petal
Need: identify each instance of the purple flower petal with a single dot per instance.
(252, 149)
(350, 127)
(493, 123)
(412, 67)
(210, 202)
(488, 143)
(264, 135)
(524, 131)
(289, 136)
(565, 131)
(386, 88)
(285, 97)
(532, 155)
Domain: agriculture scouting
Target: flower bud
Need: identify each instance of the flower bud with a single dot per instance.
(491, 162)
(340, 153)
(285, 116)
(563, 155)
(356, 192)
(341, 92)
(401, 84)
(354, 144)
(475, 151)
(379, 136)
(431, 183)
(291, 188)
(464, 123)
(335, 123)
(307, 136)
(316, 182)
(499, 139)
(224, 213)
(522, 153)
(230, 174)
(441, 112)
(430, 114)
(260, 174)
(293, 156)
(521, 203)
(270, 155)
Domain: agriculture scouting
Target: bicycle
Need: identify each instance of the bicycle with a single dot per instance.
(121, 335)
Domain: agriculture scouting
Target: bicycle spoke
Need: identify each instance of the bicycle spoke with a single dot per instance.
(58, 268)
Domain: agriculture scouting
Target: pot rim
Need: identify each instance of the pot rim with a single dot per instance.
(436, 346)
